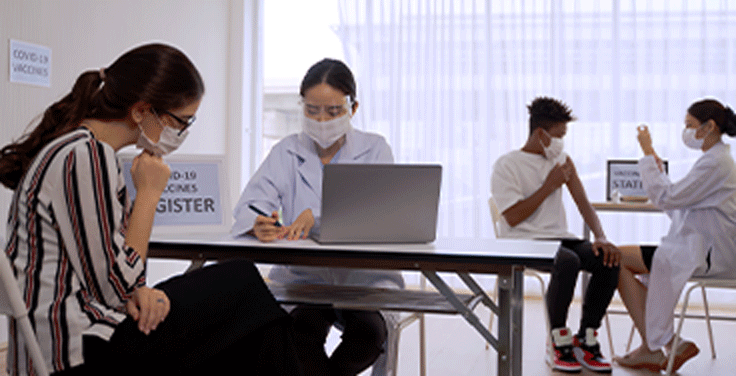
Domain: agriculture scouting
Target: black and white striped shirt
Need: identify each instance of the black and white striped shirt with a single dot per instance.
(66, 240)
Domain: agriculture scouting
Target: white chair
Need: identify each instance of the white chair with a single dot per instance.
(11, 303)
(496, 217)
(703, 283)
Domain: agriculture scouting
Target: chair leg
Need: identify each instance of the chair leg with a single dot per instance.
(494, 295)
(676, 339)
(707, 322)
(631, 338)
(610, 337)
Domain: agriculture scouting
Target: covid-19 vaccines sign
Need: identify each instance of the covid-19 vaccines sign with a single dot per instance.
(192, 195)
(30, 63)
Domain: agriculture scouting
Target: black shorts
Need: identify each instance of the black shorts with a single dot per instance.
(647, 253)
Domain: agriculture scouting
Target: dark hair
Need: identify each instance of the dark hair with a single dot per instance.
(545, 112)
(157, 74)
(332, 72)
(708, 109)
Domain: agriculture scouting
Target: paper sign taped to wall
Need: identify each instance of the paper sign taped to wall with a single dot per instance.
(30, 63)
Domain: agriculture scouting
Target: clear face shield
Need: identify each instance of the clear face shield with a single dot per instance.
(330, 110)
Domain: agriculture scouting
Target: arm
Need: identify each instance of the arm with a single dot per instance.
(264, 192)
(611, 254)
(90, 211)
(577, 191)
(524, 208)
(150, 175)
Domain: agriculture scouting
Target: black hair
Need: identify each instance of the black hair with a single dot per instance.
(157, 74)
(708, 109)
(545, 112)
(332, 72)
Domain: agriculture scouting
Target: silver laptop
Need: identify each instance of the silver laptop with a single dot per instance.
(379, 203)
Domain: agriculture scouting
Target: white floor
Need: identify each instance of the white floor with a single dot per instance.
(454, 348)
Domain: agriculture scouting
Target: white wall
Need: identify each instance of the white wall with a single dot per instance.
(89, 34)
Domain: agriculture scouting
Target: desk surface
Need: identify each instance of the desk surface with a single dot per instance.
(457, 255)
(626, 206)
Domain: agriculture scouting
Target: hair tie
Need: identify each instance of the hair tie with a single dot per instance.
(102, 74)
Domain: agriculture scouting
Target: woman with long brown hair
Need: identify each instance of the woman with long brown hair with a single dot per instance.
(79, 246)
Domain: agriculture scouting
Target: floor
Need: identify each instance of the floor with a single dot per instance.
(454, 348)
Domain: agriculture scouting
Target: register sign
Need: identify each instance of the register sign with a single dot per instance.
(192, 195)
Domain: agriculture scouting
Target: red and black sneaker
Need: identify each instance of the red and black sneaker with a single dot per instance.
(588, 353)
(560, 352)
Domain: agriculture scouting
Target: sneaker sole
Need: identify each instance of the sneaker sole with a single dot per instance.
(580, 354)
(556, 367)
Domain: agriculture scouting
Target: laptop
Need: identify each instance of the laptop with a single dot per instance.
(379, 203)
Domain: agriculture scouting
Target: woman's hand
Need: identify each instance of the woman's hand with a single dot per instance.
(645, 139)
(299, 229)
(149, 172)
(149, 307)
(265, 228)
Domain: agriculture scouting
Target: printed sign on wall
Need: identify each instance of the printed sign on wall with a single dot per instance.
(30, 63)
(192, 196)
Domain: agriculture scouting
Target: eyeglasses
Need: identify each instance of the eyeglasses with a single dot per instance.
(184, 123)
(330, 110)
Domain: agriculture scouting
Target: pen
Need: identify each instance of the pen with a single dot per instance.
(261, 212)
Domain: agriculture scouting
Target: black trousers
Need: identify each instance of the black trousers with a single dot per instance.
(573, 256)
(223, 320)
(363, 336)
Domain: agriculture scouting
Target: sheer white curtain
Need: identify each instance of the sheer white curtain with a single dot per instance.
(448, 81)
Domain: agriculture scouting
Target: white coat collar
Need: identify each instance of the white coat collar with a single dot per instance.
(309, 166)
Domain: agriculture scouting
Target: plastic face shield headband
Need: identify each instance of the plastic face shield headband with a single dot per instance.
(331, 110)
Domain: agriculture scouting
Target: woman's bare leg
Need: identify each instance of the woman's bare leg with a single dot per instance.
(632, 291)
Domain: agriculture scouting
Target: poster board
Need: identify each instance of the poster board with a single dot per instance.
(623, 175)
(195, 198)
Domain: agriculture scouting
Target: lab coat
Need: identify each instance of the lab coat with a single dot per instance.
(291, 178)
(702, 237)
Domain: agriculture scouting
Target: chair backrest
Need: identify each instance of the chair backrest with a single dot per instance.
(11, 303)
(495, 215)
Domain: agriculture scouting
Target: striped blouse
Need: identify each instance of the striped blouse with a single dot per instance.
(66, 240)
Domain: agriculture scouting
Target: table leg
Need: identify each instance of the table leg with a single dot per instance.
(517, 320)
(466, 312)
(504, 349)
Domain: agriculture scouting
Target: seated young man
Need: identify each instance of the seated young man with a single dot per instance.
(526, 185)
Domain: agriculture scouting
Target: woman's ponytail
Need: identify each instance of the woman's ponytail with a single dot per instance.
(60, 118)
(730, 125)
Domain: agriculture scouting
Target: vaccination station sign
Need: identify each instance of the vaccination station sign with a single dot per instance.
(623, 179)
(193, 195)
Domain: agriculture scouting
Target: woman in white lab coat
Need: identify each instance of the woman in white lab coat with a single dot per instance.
(701, 240)
(290, 179)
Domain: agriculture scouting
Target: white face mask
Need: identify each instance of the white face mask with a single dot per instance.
(326, 133)
(688, 137)
(168, 141)
(556, 145)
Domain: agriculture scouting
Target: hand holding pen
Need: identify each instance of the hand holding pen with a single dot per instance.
(267, 228)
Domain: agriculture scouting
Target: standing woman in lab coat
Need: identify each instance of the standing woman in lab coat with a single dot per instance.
(290, 180)
(701, 240)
